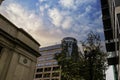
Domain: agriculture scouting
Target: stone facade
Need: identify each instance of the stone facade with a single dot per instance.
(18, 52)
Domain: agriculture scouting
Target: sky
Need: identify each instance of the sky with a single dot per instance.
(49, 21)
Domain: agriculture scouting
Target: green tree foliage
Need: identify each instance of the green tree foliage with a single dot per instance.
(69, 64)
(79, 68)
(94, 63)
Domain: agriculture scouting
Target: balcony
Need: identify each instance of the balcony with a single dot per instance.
(113, 60)
(107, 24)
(118, 15)
(104, 3)
(108, 34)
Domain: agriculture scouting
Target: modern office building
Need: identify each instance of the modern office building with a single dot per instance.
(47, 67)
(69, 45)
(111, 22)
(18, 52)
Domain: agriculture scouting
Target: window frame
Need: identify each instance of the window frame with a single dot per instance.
(1, 49)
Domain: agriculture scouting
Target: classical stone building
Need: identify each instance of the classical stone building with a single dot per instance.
(18, 52)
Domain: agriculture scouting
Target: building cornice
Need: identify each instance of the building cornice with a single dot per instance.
(18, 36)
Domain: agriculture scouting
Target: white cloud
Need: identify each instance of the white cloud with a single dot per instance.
(67, 3)
(42, 8)
(58, 23)
(67, 23)
(100, 30)
(56, 16)
(59, 18)
(46, 6)
(84, 1)
(41, 0)
(86, 28)
(21, 17)
(35, 26)
(88, 9)
(32, 23)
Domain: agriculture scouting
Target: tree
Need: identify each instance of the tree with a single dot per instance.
(77, 68)
(69, 63)
(95, 59)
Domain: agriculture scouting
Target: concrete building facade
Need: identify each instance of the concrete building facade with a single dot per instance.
(111, 22)
(47, 67)
(18, 52)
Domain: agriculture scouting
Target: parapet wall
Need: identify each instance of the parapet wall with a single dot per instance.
(18, 33)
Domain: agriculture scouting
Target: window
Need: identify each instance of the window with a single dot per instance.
(118, 15)
(56, 68)
(41, 59)
(55, 74)
(49, 58)
(55, 63)
(1, 49)
(55, 79)
(48, 64)
(40, 70)
(117, 3)
(38, 76)
(46, 75)
(40, 65)
(47, 69)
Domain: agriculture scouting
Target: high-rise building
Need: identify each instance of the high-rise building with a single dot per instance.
(69, 46)
(111, 22)
(47, 67)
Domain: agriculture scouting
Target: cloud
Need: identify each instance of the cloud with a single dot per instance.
(42, 8)
(99, 30)
(55, 16)
(67, 3)
(51, 22)
(21, 17)
(67, 23)
(88, 9)
(46, 6)
(32, 23)
(85, 1)
(41, 0)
